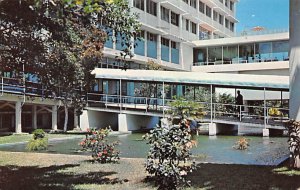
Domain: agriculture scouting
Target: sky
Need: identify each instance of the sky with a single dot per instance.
(270, 14)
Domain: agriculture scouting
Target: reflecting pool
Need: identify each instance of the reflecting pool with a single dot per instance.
(217, 149)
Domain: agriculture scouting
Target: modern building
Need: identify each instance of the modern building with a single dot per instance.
(194, 37)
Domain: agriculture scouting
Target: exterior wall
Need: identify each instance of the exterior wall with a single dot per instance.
(268, 68)
(97, 119)
(128, 122)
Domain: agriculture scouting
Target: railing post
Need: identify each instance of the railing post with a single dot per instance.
(163, 96)
(147, 104)
(240, 107)
(265, 109)
(211, 104)
(214, 111)
(1, 86)
(105, 100)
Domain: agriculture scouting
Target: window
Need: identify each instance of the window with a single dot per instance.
(139, 4)
(193, 3)
(232, 26)
(165, 42)
(151, 7)
(221, 1)
(215, 15)
(151, 37)
(231, 5)
(187, 25)
(193, 27)
(186, 1)
(201, 7)
(221, 19)
(174, 19)
(173, 45)
(226, 3)
(226, 23)
(165, 14)
(208, 11)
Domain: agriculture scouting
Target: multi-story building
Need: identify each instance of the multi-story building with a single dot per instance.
(197, 36)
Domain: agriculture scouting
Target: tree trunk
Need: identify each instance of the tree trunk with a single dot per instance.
(66, 118)
(294, 144)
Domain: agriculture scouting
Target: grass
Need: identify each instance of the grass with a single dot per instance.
(57, 171)
(26, 137)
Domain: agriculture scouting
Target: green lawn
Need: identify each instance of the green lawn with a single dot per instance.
(26, 137)
(57, 171)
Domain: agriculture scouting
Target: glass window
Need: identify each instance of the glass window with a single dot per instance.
(187, 24)
(221, 19)
(174, 18)
(226, 3)
(151, 37)
(151, 7)
(139, 4)
(231, 5)
(165, 42)
(221, 1)
(214, 55)
(201, 7)
(208, 11)
(230, 54)
(193, 27)
(186, 1)
(263, 51)
(193, 3)
(232, 26)
(226, 23)
(246, 53)
(215, 15)
(200, 56)
(280, 51)
(165, 14)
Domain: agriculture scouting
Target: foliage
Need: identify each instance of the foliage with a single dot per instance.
(168, 155)
(102, 150)
(38, 134)
(274, 112)
(293, 128)
(61, 41)
(185, 109)
(38, 141)
(241, 144)
(170, 145)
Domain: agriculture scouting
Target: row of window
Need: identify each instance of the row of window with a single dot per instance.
(205, 9)
(151, 7)
(165, 15)
(228, 3)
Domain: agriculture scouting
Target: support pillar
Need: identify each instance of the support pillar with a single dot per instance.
(76, 122)
(18, 111)
(34, 117)
(266, 132)
(54, 117)
(294, 60)
(212, 129)
(122, 123)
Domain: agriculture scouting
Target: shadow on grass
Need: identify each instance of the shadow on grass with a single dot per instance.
(225, 176)
(14, 177)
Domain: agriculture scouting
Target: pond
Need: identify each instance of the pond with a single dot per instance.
(216, 149)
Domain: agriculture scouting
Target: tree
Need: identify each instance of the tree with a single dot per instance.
(170, 145)
(69, 36)
(294, 143)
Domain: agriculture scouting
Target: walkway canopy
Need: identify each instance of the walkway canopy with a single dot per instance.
(229, 80)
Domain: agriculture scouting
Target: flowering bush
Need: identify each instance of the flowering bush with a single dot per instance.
(102, 150)
(38, 141)
(168, 156)
(241, 144)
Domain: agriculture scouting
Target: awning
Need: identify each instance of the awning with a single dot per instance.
(179, 77)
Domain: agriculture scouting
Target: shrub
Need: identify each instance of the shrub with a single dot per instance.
(102, 150)
(38, 141)
(168, 156)
(241, 144)
(38, 134)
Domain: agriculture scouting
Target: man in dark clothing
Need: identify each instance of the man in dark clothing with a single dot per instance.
(239, 101)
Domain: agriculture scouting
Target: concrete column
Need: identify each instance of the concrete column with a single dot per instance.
(76, 122)
(294, 60)
(212, 129)
(54, 117)
(18, 111)
(266, 132)
(159, 48)
(84, 120)
(122, 123)
(34, 117)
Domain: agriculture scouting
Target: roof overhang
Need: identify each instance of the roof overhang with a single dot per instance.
(217, 79)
